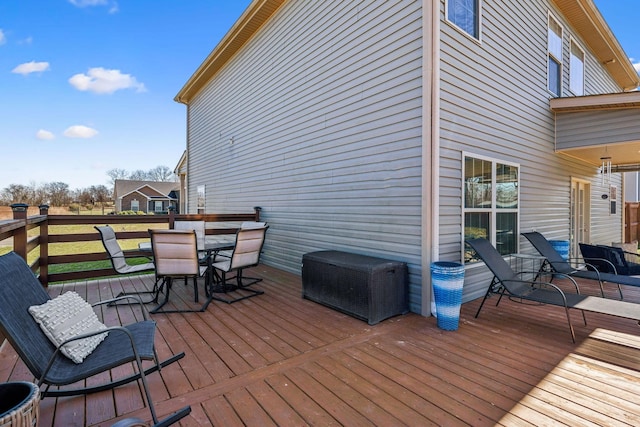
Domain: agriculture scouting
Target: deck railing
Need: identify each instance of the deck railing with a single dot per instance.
(34, 246)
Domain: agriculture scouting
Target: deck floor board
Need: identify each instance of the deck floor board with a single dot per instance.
(278, 359)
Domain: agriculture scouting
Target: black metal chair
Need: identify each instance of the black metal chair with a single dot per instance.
(620, 260)
(507, 282)
(610, 259)
(20, 289)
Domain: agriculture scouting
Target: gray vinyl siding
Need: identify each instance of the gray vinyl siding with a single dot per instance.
(494, 102)
(578, 129)
(318, 121)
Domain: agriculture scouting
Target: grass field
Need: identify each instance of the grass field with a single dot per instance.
(85, 247)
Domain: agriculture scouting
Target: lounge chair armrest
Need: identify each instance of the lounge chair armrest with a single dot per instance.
(615, 270)
(577, 263)
(545, 284)
(549, 273)
(135, 253)
(135, 298)
(91, 334)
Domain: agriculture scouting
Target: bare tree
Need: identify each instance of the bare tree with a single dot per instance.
(117, 174)
(138, 175)
(161, 173)
(57, 193)
(17, 193)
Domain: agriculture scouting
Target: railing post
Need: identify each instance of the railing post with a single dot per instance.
(172, 216)
(20, 236)
(44, 246)
(257, 210)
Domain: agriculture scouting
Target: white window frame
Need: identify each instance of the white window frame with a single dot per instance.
(135, 205)
(493, 210)
(158, 206)
(554, 52)
(576, 69)
(477, 20)
(201, 199)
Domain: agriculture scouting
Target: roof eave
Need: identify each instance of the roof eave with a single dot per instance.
(252, 19)
(608, 101)
(589, 22)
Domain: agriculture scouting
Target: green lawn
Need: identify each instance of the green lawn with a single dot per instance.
(86, 247)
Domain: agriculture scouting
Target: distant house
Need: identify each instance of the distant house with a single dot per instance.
(399, 128)
(146, 196)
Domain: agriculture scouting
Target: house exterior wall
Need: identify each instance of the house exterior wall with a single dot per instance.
(495, 103)
(126, 202)
(318, 121)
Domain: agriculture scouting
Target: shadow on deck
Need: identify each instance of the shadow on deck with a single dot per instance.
(278, 359)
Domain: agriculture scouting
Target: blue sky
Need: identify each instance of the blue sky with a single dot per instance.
(88, 85)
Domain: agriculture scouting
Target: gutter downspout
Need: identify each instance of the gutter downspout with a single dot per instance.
(430, 146)
(185, 203)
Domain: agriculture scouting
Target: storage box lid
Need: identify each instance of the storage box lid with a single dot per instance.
(350, 260)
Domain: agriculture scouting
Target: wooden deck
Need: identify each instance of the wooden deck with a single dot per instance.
(277, 359)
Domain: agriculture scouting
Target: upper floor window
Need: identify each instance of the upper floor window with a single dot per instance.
(490, 204)
(465, 14)
(555, 57)
(576, 69)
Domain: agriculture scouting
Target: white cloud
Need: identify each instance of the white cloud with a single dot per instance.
(44, 134)
(85, 3)
(79, 131)
(113, 5)
(31, 67)
(3, 38)
(100, 80)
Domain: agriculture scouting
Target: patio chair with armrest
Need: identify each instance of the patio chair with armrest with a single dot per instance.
(244, 225)
(20, 290)
(557, 264)
(609, 259)
(175, 255)
(245, 254)
(119, 263)
(626, 263)
(507, 282)
(200, 229)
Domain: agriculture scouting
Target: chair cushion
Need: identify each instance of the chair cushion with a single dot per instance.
(65, 317)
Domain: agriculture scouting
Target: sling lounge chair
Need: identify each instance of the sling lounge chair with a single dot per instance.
(507, 282)
(557, 264)
(20, 292)
(119, 263)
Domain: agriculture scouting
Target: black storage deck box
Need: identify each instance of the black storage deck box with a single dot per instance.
(368, 288)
